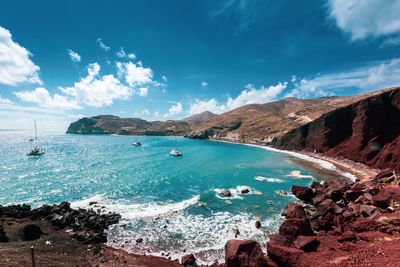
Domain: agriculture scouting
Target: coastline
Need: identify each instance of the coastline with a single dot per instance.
(350, 169)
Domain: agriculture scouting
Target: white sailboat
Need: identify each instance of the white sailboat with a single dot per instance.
(174, 152)
(36, 151)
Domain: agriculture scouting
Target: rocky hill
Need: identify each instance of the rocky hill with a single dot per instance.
(199, 118)
(109, 124)
(263, 122)
(367, 131)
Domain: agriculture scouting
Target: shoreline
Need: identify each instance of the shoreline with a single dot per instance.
(345, 167)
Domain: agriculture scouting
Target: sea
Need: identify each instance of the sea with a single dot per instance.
(170, 206)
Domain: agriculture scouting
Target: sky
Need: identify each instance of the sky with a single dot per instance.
(168, 59)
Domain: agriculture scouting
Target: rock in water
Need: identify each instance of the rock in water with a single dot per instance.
(226, 193)
(244, 253)
(31, 232)
(258, 224)
(245, 191)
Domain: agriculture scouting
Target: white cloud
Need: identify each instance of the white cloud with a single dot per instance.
(373, 77)
(121, 54)
(96, 90)
(75, 57)
(249, 96)
(145, 112)
(164, 78)
(174, 110)
(102, 45)
(204, 84)
(164, 90)
(15, 64)
(142, 91)
(392, 41)
(42, 97)
(5, 100)
(365, 18)
(135, 74)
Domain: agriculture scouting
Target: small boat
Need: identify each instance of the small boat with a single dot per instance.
(137, 143)
(36, 151)
(174, 152)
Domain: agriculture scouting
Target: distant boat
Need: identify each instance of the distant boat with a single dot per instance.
(137, 143)
(174, 152)
(36, 151)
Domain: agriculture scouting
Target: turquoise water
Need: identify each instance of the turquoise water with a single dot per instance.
(172, 203)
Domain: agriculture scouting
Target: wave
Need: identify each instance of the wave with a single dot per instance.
(134, 211)
(297, 174)
(271, 180)
(236, 192)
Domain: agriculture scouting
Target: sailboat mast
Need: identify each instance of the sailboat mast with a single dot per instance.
(35, 133)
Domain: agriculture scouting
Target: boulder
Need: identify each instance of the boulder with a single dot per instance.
(3, 236)
(302, 192)
(328, 205)
(294, 210)
(244, 253)
(363, 225)
(258, 224)
(367, 210)
(386, 195)
(226, 193)
(385, 173)
(283, 256)
(315, 184)
(188, 260)
(279, 240)
(306, 243)
(245, 191)
(30, 232)
(292, 228)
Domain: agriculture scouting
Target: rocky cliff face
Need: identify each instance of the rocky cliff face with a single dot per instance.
(263, 122)
(367, 131)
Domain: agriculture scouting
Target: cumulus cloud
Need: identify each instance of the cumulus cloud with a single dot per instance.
(75, 57)
(204, 84)
(43, 98)
(142, 91)
(102, 45)
(174, 110)
(145, 112)
(5, 100)
(372, 77)
(135, 74)
(365, 18)
(249, 96)
(16, 66)
(96, 90)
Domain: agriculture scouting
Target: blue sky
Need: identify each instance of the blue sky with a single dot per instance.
(165, 59)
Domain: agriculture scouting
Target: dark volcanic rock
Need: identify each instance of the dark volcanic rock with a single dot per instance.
(303, 192)
(3, 236)
(30, 232)
(226, 193)
(244, 253)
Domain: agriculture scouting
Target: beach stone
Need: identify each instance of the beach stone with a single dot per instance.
(302, 192)
(31, 232)
(188, 260)
(282, 255)
(293, 210)
(244, 253)
(226, 193)
(258, 224)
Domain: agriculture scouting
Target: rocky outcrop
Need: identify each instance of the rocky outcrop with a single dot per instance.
(199, 118)
(87, 226)
(344, 220)
(367, 131)
(244, 253)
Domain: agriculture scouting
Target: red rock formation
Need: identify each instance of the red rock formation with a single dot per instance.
(244, 253)
(367, 131)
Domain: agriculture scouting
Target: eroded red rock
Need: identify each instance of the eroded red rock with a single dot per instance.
(244, 253)
(294, 210)
(302, 192)
(283, 256)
